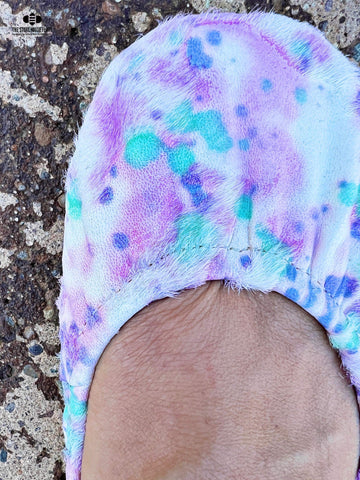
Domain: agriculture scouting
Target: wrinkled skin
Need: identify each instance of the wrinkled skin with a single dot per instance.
(219, 385)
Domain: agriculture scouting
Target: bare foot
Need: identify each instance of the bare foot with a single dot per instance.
(217, 385)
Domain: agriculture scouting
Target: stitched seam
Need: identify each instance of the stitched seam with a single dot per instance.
(219, 247)
(255, 29)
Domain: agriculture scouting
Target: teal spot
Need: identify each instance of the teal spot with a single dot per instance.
(142, 149)
(180, 158)
(73, 201)
(175, 38)
(301, 49)
(211, 127)
(269, 240)
(357, 202)
(181, 119)
(214, 37)
(76, 407)
(136, 61)
(244, 144)
(349, 338)
(300, 95)
(197, 57)
(244, 207)
(208, 123)
(348, 193)
(195, 237)
(266, 85)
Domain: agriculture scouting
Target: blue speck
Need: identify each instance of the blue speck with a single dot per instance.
(241, 111)
(266, 85)
(3, 455)
(120, 241)
(292, 294)
(252, 132)
(106, 196)
(36, 349)
(92, 316)
(156, 114)
(336, 286)
(324, 208)
(214, 37)
(197, 57)
(198, 197)
(113, 171)
(245, 261)
(10, 407)
(191, 181)
(355, 229)
(199, 98)
(291, 272)
(244, 144)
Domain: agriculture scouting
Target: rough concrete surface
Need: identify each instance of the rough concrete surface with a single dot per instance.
(46, 82)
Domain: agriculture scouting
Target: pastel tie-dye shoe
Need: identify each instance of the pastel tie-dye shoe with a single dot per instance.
(217, 146)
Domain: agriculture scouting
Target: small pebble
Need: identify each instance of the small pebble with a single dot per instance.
(141, 21)
(328, 5)
(10, 407)
(28, 333)
(22, 255)
(61, 200)
(356, 52)
(45, 79)
(3, 455)
(36, 349)
(30, 372)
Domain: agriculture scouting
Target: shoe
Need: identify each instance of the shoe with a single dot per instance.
(218, 146)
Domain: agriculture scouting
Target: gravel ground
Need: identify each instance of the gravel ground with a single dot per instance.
(47, 79)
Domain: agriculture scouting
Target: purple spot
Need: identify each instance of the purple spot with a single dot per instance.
(106, 196)
(305, 64)
(191, 181)
(245, 261)
(199, 98)
(113, 171)
(357, 103)
(92, 316)
(252, 132)
(241, 111)
(120, 241)
(324, 208)
(355, 229)
(156, 114)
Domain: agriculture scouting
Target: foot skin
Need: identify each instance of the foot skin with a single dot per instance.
(219, 385)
